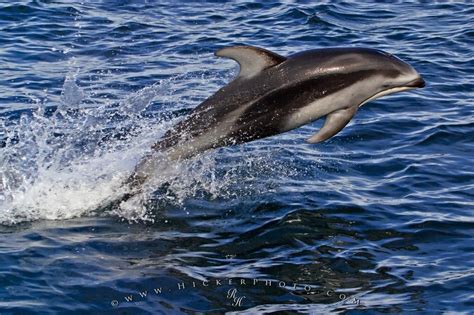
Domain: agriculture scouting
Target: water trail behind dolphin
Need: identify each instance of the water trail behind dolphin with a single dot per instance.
(66, 162)
(62, 163)
(71, 161)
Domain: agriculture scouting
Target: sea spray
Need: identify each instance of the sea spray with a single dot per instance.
(71, 161)
(65, 164)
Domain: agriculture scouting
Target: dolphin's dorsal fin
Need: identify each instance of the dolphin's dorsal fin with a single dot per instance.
(251, 59)
(334, 123)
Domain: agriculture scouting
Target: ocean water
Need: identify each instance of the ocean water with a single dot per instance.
(379, 219)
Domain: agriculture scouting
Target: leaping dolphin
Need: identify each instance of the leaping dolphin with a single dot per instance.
(273, 94)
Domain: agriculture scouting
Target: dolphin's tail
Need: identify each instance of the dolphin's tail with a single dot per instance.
(166, 150)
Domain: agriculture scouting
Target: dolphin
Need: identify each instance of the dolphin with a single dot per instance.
(273, 94)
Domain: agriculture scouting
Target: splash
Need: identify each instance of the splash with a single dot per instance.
(60, 165)
(72, 161)
(66, 162)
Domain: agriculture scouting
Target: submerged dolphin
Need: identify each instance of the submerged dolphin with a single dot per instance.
(273, 94)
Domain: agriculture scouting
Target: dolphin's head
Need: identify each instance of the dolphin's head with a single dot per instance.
(372, 72)
(391, 73)
(345, 79)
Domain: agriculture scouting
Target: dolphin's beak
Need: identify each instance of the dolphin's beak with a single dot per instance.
(417, 83)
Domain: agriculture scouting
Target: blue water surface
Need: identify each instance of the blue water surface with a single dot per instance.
(379, 219)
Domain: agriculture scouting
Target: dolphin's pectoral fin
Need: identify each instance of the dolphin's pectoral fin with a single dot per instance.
(251, 59)
(334, 123)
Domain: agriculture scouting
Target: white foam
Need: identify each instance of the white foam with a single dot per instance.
(67, 164)
(63, 166)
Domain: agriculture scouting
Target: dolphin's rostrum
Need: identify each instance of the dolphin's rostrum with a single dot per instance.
(273, 94)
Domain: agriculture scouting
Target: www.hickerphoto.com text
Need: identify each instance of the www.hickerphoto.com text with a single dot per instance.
(181, 287)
